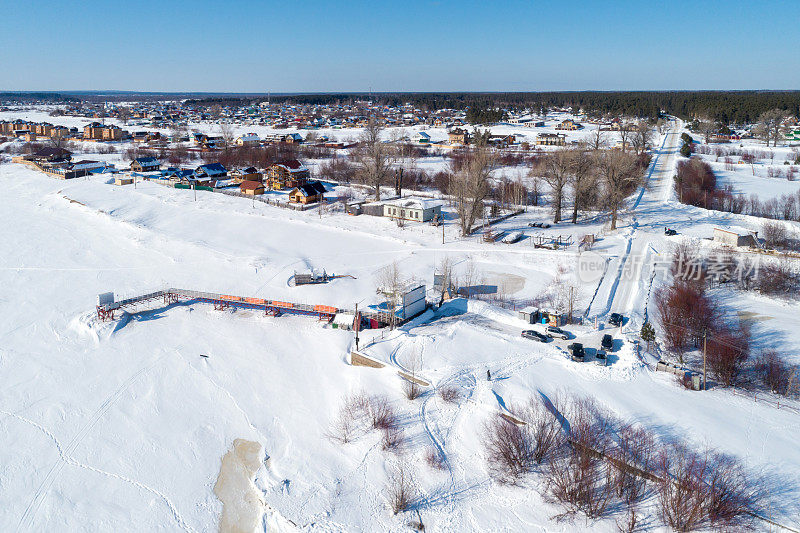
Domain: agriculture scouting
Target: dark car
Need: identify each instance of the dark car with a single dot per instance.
(578, 354)
(615, 319)
(555, 332)
(600, 358)
(534, 335)
(670, 232)
(607, 343)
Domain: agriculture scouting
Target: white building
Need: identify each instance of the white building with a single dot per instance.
(248, 139)
(414, 209)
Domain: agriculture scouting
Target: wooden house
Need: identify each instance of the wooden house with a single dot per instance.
(458, 136)
(211, 170)
(145, 164)
(240, 175)
(569, 124)
(251, 187)
(551, 139)
(286, 175)
(308, 193)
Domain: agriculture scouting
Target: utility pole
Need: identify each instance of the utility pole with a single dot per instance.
(194, 188)
(441, 221)
(705, 387)
(357, 328)
(571, 289)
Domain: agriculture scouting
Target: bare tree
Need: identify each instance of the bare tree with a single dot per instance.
(642, 136)
(373, 157)
(618, 172)
(770, 125)
(411, 388)
(227, 133)
(625, 135)
(597, 140)
(124, 114)
(469, 184)
(707, 127)
(557, 170)
(581, 178)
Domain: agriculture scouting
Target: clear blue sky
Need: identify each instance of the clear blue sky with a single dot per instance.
(310, 45)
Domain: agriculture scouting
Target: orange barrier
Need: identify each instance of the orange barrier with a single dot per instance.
(257, 301)
(230, 298)
(286, 305)
(325, 309)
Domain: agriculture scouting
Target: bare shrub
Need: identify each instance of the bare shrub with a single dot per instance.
(727, 352)
(435, 459)
(776, 278)
(393, 440)
(509, 450)
(349, 423)
(632, 457)
(733, 496)
(411, 389)
(775, 234)
(701, 489)
(580, 481)
(450, 394)
(579, 478)
(775, 374)
(543, 429)
(399, 491)
(681, 493)
(381, 414)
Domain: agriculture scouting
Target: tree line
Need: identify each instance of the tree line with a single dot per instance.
(726, 107)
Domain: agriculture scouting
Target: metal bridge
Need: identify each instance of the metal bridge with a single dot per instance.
(106, 306)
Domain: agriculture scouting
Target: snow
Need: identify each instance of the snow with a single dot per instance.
(123, 425)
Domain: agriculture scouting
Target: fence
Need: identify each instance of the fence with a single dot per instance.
(267, 200)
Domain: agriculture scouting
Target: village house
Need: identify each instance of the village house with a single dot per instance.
(307, 193)
(145, 164)
(240, 175)
(551, 139)
(50, 155)
(252, 188)
(248, 139)
(90, 166)
(101, 132)
(458, 136)
(211, 170)
(414, 209)
(569, 124)
(501, 141)
(286, 175)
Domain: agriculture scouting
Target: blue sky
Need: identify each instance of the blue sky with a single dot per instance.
(315, 46)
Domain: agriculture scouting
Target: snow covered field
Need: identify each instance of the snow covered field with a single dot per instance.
(123, 425)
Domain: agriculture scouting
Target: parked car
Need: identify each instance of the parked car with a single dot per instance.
(534, 335)
(670, 232)
(556, 333)
(607, 343)
(534, 224)
(578, 353)
(615, 319)
(600, 358)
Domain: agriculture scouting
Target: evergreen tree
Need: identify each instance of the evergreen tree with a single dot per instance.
(648, 334)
